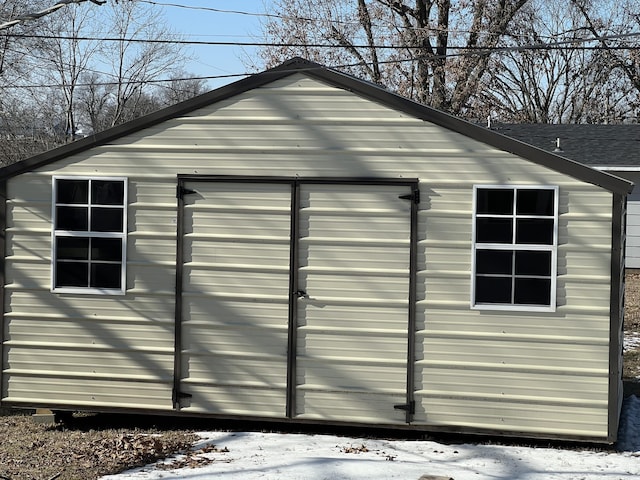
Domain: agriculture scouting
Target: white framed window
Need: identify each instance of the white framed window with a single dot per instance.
(515, 247)
(89, 235)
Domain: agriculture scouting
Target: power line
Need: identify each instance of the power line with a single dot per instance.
(316, 20)
(241, 12)
(46, 11)
(563, 44)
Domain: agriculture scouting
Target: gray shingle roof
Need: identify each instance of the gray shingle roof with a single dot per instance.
(594, 145)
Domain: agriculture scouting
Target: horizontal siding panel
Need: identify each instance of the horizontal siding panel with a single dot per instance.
(141, 306)
(439, 321)
(365, 375)
(29, 216)
(247, 282)
(533, 387)
(537, 337)
(354, 228)
(505, 416)
(596, 295)
(443, 260)
(232, 401)
(361, 317)
(75, 332)
(143, 251)
(34, 245)
(246, 370)
(235, 254)
(525, 353)
(149, 277)
(226, 312)
(29, 187)
(583, 202)
(392, 163)
(356, 286)
(28, 275)
(153, 220)
(370, 257)
(349, 407)
(233, 225)
(356, 347)
(581, 258)
(85, 393)
(260, 340)
(78, 362)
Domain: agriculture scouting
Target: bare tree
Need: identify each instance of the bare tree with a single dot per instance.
(132, 65)
(54, 78)
(182, 86)
(560, 83)
(435, 51)
(616, 24)
(66, 58)
(95, 100)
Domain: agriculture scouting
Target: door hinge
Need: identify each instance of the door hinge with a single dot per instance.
(182, 191)
(407, 407)
(178, 396)
(414, 196)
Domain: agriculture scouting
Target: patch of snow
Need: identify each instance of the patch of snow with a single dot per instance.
(277, 456)
(631, 340)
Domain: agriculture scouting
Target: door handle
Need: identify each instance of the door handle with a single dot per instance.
(302, 294)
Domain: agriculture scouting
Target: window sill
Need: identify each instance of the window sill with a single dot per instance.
(89, 291)
(514, 308)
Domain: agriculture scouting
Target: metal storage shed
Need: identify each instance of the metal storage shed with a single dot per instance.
(304, 246)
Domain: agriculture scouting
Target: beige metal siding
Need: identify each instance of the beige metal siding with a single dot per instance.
(235, 298)
(89, 350)
(300, 127)
(353, 322)
(516, 371)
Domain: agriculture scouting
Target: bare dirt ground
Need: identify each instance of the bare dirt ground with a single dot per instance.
(85, 448)
(90, 446)
(632, 327)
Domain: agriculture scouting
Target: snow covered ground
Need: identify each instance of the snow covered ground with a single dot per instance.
(631, 340)
(276, 456)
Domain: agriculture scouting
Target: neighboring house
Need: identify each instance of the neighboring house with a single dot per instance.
(304, 246)
(611, 148)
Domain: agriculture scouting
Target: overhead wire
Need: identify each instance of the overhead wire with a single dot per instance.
(466, 51)
(241, 12)
(332, 21)
(561, 44)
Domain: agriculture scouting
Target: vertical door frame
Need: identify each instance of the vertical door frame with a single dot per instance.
(296, 183)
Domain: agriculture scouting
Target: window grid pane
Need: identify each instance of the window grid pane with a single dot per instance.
(532, 230)
(89, 234)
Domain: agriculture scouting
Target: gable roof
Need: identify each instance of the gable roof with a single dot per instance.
(343, 81)
(603, 146)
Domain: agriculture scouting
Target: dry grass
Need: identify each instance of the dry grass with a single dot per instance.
(85, 449)
(632, 326)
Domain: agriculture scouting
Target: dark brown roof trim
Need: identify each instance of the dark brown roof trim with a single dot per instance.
(346, 82)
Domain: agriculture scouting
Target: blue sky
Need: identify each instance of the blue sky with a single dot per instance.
(199, 24)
